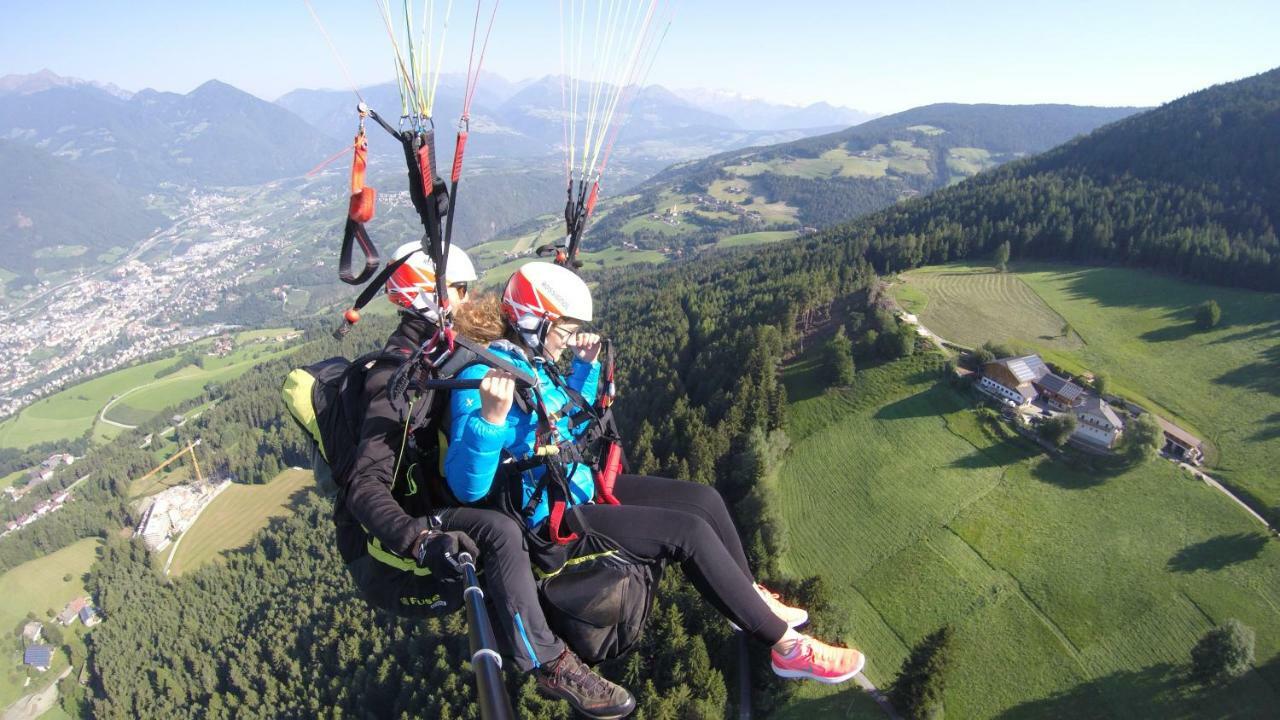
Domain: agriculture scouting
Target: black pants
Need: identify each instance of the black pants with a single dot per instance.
(666, 520)
(506, 579)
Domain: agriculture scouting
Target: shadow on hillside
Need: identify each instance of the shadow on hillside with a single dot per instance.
(1160, 691)
(1271, 432)
(1005, 453)
(1261, 376)
(852, 702)
(911, 406)
(1058, 473)
(1171, 333)
(1218, 552)
(1265, 331)
(1103, 285)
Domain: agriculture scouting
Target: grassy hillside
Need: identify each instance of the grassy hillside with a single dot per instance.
(1188, 188)
(1070, 593)
(37, 587)
(824, 180)
(234, 517)
(1138, 328)
(133, 394)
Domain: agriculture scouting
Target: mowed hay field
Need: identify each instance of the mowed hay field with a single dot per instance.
(1138, 328)
(1072, 595)
(133, 394)
(235, 516)
(971, 306)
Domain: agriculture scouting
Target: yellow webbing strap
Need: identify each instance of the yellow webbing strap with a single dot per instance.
(572, 562)
(382, 555)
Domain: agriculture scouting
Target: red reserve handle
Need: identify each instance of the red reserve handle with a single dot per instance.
(608, 476)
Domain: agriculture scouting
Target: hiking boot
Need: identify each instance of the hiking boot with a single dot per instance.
(794, 617)
(568, 678)
(812, 659)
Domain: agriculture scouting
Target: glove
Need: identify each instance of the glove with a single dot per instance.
(438, 551)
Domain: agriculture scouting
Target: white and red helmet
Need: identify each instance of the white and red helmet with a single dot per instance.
(540, 293)
(413, 284)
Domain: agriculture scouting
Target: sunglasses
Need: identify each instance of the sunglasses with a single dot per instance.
(461, 287)
(565, 331)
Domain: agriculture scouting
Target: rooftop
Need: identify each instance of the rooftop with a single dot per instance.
(1097, 406)
(38, 656)
(1027, 368)
(1061, 386)
(1178, 434)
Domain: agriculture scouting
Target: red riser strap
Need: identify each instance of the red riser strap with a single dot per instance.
(556, 518)
(458, 149)
(362, 205)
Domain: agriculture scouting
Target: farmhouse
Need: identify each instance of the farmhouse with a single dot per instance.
(1012, 378)
(89, 616)
(1097, 423)
(72, 610)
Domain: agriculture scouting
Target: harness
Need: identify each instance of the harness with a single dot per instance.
(597, 446)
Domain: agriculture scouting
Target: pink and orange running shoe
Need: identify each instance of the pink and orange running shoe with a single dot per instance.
(812, 659)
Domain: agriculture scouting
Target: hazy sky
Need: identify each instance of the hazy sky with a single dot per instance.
(874, 55)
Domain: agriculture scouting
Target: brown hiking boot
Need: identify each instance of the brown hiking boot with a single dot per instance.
(568, 678)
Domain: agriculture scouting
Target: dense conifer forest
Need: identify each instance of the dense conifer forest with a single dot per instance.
(1191, 188)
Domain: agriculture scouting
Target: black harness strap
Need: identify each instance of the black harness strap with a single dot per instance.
(353, 235)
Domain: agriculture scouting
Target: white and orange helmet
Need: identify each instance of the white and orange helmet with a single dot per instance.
(540, 293)
(413, 284)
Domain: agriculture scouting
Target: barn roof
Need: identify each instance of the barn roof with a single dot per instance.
(1061, 386)
(1028, 368)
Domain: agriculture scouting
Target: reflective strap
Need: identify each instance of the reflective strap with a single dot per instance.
(382, 555)
(574, 561)
(408, 477)
(403, 442)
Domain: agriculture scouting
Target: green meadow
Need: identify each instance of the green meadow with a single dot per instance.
(1072, 594)
(1138, 328)
(133, 394)
(234, 517)
(38, 587)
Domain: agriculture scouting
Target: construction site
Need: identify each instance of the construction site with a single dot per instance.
(171, 512)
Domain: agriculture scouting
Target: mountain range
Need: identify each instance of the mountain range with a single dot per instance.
(827, 179)
(126, 145)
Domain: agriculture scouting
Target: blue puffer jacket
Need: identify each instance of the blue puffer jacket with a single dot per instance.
(476, 445)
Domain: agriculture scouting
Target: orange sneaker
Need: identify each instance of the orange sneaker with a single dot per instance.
(793, 616)
(812, 659)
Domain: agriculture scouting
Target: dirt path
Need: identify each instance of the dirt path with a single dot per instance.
(36, 704)
(876, 695)
(102, 414)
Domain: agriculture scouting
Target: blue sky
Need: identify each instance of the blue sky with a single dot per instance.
(879, 56)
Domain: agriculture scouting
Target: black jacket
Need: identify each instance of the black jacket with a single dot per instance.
(374, 497)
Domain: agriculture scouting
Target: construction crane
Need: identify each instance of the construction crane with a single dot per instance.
(190, 448)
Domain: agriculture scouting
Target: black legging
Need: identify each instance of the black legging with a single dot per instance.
(668, 520)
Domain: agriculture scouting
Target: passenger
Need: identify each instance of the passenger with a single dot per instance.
(495, 433)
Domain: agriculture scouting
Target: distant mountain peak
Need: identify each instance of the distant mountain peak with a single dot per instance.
(46, 79)
(761, 114)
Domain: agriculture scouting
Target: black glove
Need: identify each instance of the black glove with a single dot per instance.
(438, 551)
